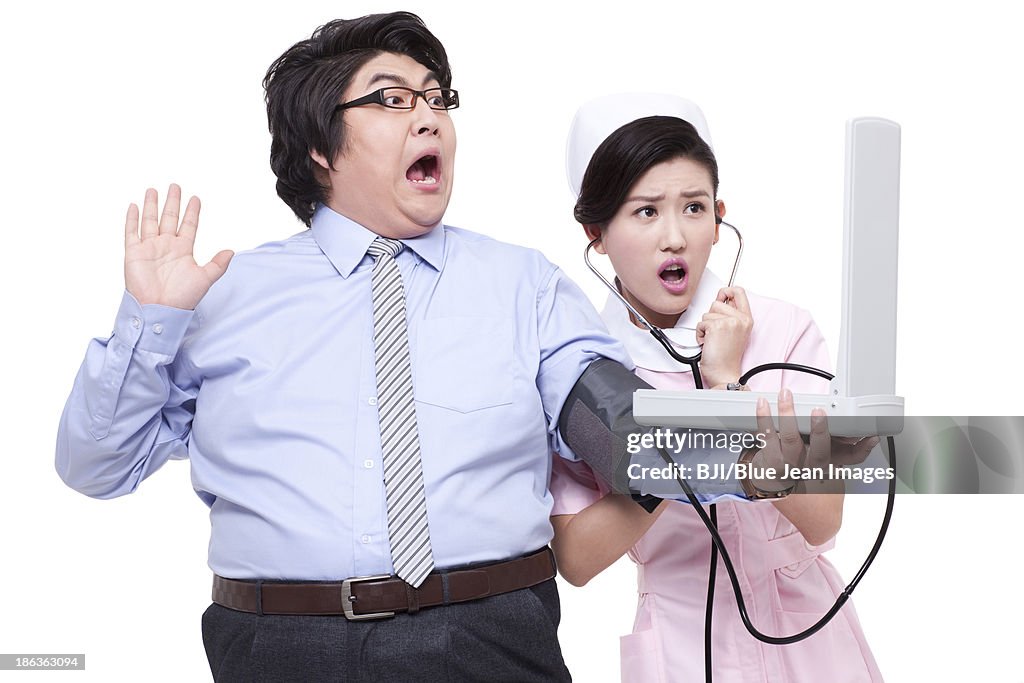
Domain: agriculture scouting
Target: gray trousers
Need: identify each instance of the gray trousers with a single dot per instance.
(510, 637)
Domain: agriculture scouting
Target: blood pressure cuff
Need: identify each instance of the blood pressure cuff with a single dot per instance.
(596, 422)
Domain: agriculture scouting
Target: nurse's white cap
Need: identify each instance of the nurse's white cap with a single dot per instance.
(599, 118)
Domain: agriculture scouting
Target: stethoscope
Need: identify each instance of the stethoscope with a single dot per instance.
(672, 347)
(710, 517)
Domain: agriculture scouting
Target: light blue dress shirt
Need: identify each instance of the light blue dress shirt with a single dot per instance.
(268, 388)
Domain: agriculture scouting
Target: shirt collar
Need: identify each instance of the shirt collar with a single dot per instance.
(642, 347)
(345, 242)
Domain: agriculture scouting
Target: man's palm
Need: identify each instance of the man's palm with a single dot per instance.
(158, 264)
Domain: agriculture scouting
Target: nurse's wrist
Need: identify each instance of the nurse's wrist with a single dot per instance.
(721, 378)
(760, 483)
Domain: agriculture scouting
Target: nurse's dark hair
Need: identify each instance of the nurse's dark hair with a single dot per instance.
(627, 154)
(306, 83)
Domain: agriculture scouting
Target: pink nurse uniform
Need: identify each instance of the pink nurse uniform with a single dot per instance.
(787, 583)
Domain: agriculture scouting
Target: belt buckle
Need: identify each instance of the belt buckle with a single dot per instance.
(347, 598)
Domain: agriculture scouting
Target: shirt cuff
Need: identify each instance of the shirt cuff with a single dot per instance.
(154, 328)
(708, 471)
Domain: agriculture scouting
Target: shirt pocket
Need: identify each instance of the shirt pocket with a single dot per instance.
(464, 363)
(640, 656)
(791, 555)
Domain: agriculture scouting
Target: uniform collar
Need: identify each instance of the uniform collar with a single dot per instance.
(345, 242)
(643, 348)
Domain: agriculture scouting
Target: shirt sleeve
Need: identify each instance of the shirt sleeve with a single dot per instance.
(571, 337)
(130, 409)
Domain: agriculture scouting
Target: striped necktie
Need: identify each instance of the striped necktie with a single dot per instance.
(399, 438)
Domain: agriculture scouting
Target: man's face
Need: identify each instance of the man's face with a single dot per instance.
(394, 172)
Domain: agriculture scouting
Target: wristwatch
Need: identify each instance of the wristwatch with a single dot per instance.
(751, 490)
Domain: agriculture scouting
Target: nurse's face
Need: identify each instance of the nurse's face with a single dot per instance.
(660, 239)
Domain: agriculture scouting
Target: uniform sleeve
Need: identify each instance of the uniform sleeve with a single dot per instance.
(573, 486)
(807, 347)
(130, 409)
(571, 336)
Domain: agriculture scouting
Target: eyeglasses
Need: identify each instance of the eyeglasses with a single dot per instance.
(396, 97)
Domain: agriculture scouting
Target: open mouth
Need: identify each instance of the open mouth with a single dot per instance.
(673, 275)
(425, 171)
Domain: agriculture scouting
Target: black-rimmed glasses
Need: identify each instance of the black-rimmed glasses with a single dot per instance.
(396, 97)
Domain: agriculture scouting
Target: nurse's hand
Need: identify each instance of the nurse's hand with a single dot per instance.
(158, 263)
(786, 452)
(724, 333)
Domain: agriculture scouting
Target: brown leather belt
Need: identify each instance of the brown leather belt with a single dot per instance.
(378, 597)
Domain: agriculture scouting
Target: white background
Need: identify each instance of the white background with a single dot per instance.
(101, 101)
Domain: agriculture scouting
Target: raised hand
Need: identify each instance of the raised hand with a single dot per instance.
(158, 264)
(724, 333)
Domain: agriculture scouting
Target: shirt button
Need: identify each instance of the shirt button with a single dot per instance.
(136, 322)
(368, 464)
(372, 400)
(365, 538)
(158, 328)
